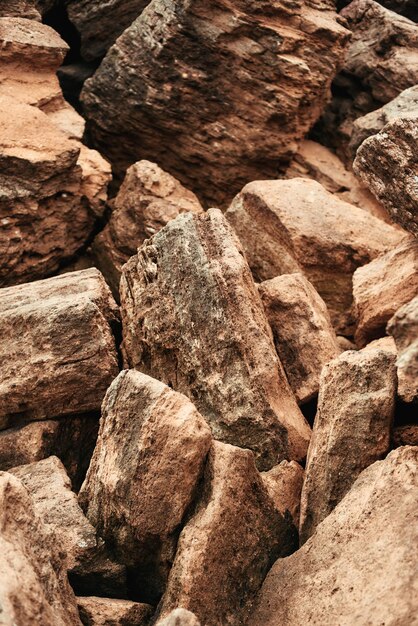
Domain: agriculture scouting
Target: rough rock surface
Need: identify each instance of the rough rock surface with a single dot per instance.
(303, 335)
(407, 8)
(229, 543)
(406, 435)
(192, 317)
(388, 165)
(351, 431)
(113, 612)
(381, 287)
(359, 562)
(148, 460)
(34, 587)
(403, 327)
(147, 200)
(179, 617)
(288, 226)
(284, 486)
(208, 64)
(57, 349)
(19, 8)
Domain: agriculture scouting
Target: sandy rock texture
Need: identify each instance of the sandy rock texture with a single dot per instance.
(58, 349)
(207, 64)
(359, 561)
(284, 485)
(193, 318)
(403, 327)
(20, 8)
(112, 612)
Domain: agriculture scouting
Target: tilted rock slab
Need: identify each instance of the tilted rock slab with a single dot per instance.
(208, 64)
(113, 612)
(351, 431)
(284, 485)
(147, 200)
(303, 335)
(388, 165)
(192, 317)
(34, 586)
(403, 327)
(288, 226)
(148, 460)
(359, 567)
(229, 543)
(381, 287)
(57, 350)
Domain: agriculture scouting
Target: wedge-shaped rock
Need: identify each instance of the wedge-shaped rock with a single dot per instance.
(351, 431)
(229, 543)
(303, 335)
(288, 226)
(381, 287)
(192, 317)
(112, 612)
(209, 64)
(34, 586)
(360, 559)
(388, 165)
(148, 460)
(404, 329)
(147, 200)
(57, 350)
(179, 617)
(284, 486)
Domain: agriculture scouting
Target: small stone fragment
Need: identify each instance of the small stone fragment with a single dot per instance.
(284, 486)
(113, 612)
(403, 327)
(179, 617)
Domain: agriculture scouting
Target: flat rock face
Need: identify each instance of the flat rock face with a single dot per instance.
(147, 200)
(403, 327)
(303, 335)
(58, 350)
(284, 486)
(207, 64)
(289, 226)
(359, 560)
(34, 587)
(112, 612)
(388, 165)
(229, 543)
(351, 431)
(381, 287)
(179, 617)
(192, 317)
(148, 460)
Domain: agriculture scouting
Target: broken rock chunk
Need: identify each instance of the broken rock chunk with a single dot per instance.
(284, 486)
(113, 612)
(403, 327)
(179, 617)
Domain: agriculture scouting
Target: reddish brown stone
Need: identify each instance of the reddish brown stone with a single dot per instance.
(403, 326)
(112, 612)
(284, 486)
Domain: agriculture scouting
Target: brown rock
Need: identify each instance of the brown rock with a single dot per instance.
(179, 617)
(359, 561)
(407, 8)
(388, 165)
(351, 430)
(381, 287)
(403, 326)
(57, 348)
(209, 64)
(284, 486)
(113, 612)
(384, 343)
(406, 435)
(229, 543)
(289, 226)
(147, 200)
(345, 344)
(34, 587)
(303, 335)
(192, 317)
(19, 8)
(139, 486)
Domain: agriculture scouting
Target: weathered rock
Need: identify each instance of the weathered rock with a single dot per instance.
(359, 561)
(403, 326)
(192, 317)
(284, 486)
(209, 64)
(407, 8)
(384, 343)
(19, 8)
(57, 350)
(289, 226)
(113, 612)
(351, 430)
(303, 335)
(345, 344)
(229, 543)
(148, 460)
(179, 617)
(406, 435)
(34, 587)
(147, 200)
(381, 287)
(388, 165)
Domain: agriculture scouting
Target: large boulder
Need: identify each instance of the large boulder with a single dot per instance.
(57, 349)
(359, 567)
(208, 64)
(403, 327)
(351, 431)
(288, 226)
(192, 317)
